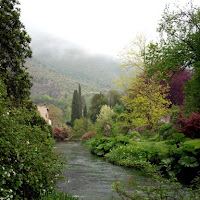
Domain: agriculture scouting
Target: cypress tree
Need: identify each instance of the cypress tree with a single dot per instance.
(85, 112)
(80, 100)
(75, 107)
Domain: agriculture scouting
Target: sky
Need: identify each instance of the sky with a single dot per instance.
(97, 26)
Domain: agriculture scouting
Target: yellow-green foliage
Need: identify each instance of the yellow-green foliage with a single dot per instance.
(106, 113)
(146, 102)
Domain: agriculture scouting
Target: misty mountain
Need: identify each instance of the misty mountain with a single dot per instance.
(54, 84)
(68, 59)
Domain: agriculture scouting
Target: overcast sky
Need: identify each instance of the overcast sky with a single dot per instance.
(98, 26)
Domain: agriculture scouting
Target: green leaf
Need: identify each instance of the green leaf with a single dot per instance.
(188, 161)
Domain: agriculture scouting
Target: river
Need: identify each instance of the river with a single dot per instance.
(91, 177)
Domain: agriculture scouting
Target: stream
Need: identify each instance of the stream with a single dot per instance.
(91, 177)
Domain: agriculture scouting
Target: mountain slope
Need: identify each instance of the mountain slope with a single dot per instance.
(54, 84)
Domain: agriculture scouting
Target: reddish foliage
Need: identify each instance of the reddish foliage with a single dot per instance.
(177, 85)
(60, 133)
(190, 127)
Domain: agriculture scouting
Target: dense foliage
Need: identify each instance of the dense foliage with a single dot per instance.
(178, 48)
(145, 102)
(14, 43)
(60, 133)
(97, 101)
(180, 160)
(28, 164)
(81, 126)
(76, 113)
(190, 126)
(176, 90)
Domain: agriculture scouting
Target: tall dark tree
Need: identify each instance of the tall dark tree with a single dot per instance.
(14, 49)
(98, 100)
(75, 107)
(85, 112)
(80, 99)
(83, 102)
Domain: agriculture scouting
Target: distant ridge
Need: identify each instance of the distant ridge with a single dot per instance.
(58, 66)
(54, 84)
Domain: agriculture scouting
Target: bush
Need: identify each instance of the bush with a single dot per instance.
(81, 126)
(134, 134)
(60, 133)
(155, 188)
(28, 166)
(183, 162)
(166, 130)
(190, 127)
(103, 145)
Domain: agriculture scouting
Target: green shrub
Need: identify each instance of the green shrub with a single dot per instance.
(184, 163)
(154, 138)
(103, 145)
(137, 155)
(146, 133)
(166, 130)
(81, 126)
(28, 166)
(155, 188)
(134, 134)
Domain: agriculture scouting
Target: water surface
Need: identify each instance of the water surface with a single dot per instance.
(91, 177)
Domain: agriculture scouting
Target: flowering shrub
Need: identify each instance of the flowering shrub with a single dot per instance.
(28, 166)
(60, 133)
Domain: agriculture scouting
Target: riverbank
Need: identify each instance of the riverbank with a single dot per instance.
(154, 158)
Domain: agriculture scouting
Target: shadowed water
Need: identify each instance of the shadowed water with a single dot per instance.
(91, 177)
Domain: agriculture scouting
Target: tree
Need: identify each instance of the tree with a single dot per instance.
(14, 49)
(177, 82)
(133, 58)
(113, 97)
(81, 126)
(105, 114)
(97, 101)
(85, 111)
(178, 48)
(75, 107)
(80, 100)
(29, 167)
(145, 102)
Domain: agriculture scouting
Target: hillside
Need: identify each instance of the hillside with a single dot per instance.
(54, 84)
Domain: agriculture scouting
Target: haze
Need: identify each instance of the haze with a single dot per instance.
(98, 26)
